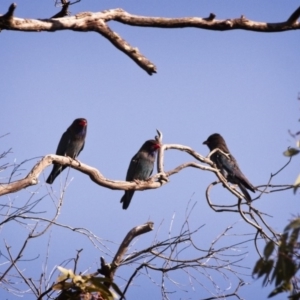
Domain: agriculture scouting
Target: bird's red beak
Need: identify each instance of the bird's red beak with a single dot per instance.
(157, 146)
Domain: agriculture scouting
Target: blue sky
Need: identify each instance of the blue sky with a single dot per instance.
(243, 85)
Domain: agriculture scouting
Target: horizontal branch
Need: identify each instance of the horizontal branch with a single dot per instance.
(209, 23)
(97, 22)
(156, 181)
(93, 173)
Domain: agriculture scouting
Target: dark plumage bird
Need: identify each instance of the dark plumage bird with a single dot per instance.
(140, 167)
(228, 166)
(70, 144)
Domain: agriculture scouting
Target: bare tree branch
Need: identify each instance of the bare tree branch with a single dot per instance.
(294, 17)
(258, 222)
(64, 10)
(109, 272)
(10, 12)
(95, 175)
(97, 22)
(167, 257)
(156, 181)
(19, 255)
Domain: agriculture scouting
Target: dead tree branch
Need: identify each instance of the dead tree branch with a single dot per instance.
(255, 219)
(167, 257)
(109, 270)
(64, 10)
(156, 181)
(252, 216)
(97, 22)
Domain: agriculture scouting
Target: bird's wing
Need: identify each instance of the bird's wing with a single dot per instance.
(234, 173)
(140, 167)
(132, 167)
(81, 148)
(229, 164)
(63, 143)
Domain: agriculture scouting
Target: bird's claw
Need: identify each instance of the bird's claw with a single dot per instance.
(71, 159)
(79, 164)
(163, 177)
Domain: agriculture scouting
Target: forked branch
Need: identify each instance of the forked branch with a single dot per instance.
(157, 180)
(97, 22)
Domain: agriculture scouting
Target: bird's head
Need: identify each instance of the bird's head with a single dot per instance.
(214, 141)
(151, 146)
(81, 122)
(79, 126)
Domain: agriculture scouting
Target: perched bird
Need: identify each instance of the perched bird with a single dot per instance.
(140, 167)
(228, 165)
(70, 144)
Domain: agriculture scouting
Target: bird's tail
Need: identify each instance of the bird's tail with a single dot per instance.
(245, 192)
(50, 179)
(57, 169)
(127, 198)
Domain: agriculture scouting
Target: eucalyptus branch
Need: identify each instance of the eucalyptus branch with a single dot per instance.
(109, 270)
(164, 257)
(97, 22)
(156, 181)
(252, 211)
(133, 233)
(247, 220)
(219, 208)
(95, 175)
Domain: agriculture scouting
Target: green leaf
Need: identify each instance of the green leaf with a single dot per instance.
(286, 286)
(258, 266)
(290, 269)
(276, 291)
(295, 224)
(267, 270)
(293, 241)
(278, 271)
(268, 249)
(291, 152)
